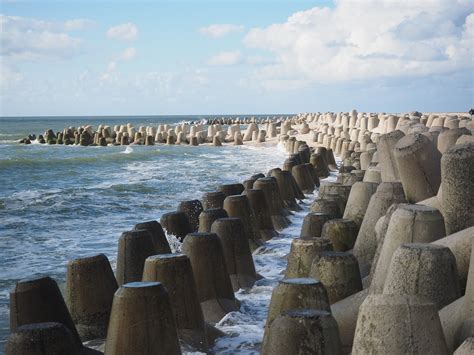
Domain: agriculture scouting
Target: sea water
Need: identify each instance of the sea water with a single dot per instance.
(61, 202)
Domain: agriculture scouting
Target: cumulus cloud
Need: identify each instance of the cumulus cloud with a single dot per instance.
(364, 39)
(128, 53)
(220, 30)
(30, 39)
(225, 58)
(124, 32)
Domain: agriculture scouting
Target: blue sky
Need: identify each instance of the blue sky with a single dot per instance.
(195, 57)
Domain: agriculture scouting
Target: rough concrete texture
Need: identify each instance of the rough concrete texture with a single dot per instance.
(237, 253)
(466, 348)
(157, 234)
(192, 209)
(305, 331)
(418, 163)
(175, 273)
(274, 201)
(207, 217)
(358, 201)
(427, 270)
(302, 253)
(449, 137)
(213, 199)
(142, 321)
(176, 223)
(395, 324)
(313, 224)
(408, 224)
(239, 206)
(339, 273)
(90, 288)
(457, 167)
(285, 185)
(210, 272)
(341, 232)
(365, 246)
(262, 214)
(328, 206)
(385, 149)
(303, 178)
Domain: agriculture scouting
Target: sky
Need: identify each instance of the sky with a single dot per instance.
(227, 57)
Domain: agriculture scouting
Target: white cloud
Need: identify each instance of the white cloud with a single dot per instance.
(128, 54)
(124, 32)
(30, 39)
(78, 24)
(220, 30)
(225, 58)
(364, 39)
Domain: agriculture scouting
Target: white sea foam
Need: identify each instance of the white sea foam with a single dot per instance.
(128, 150)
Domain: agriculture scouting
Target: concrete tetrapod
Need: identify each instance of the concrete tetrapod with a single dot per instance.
(176, 223)
(341, 232)
(285, 185)
(338, 272)
(207, 217)
(313, 224)
(142, 321)
(398, 324)
(327, 205)
(466, 348)
(263, 218)
(342, 192)
(320, 164)
(457, 199)
(231, 189)
(213, 200)
(303, 178)
(157, 234)
(358, 201)
(418, 163)
(175, 273)
(408, 224)
(239, 206)
(278, 213)
(39, 301)
(49, 338)
(90, 288)
(133, 248)
(192, 209)
(237, 253)
(300, 293)
(427, 270)
(302, 253)
(385, 149)
(210, 272)
(365, 246)
(303, 331)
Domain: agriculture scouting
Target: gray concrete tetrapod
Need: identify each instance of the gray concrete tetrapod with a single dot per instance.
(424, 269)
(303, 178)
(408, 224)
(449, 137)
(239, 206)
(142, 321)
(365, 246)
(418, 163)
(278, 213)
(260, 208)
(302, 253)
(192, 209)
(313, 224)
(38, 301)
(157, 234)
(175, 273)
(231, 189)
(338, 272)
(213, 199)
(210, 272)
(299, 293)
(385, 149)
(176, 223)
(320, 164)
(305, 331)
(341, 232)
(285, 185)
(342, 192)
(207, 217)
(358, 201)
(466, 348)
(457, 199)
(398, 324)
(328, 205)
(90, 288)
(237, 252)
(49, 338)
(133, 248)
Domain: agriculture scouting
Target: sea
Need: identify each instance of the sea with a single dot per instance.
(61, 202)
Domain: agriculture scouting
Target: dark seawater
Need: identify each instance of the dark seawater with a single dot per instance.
(62, 202)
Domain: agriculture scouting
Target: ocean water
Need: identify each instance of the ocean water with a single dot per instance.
(62, 202)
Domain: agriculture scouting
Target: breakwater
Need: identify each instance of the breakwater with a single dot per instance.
(343, 278)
